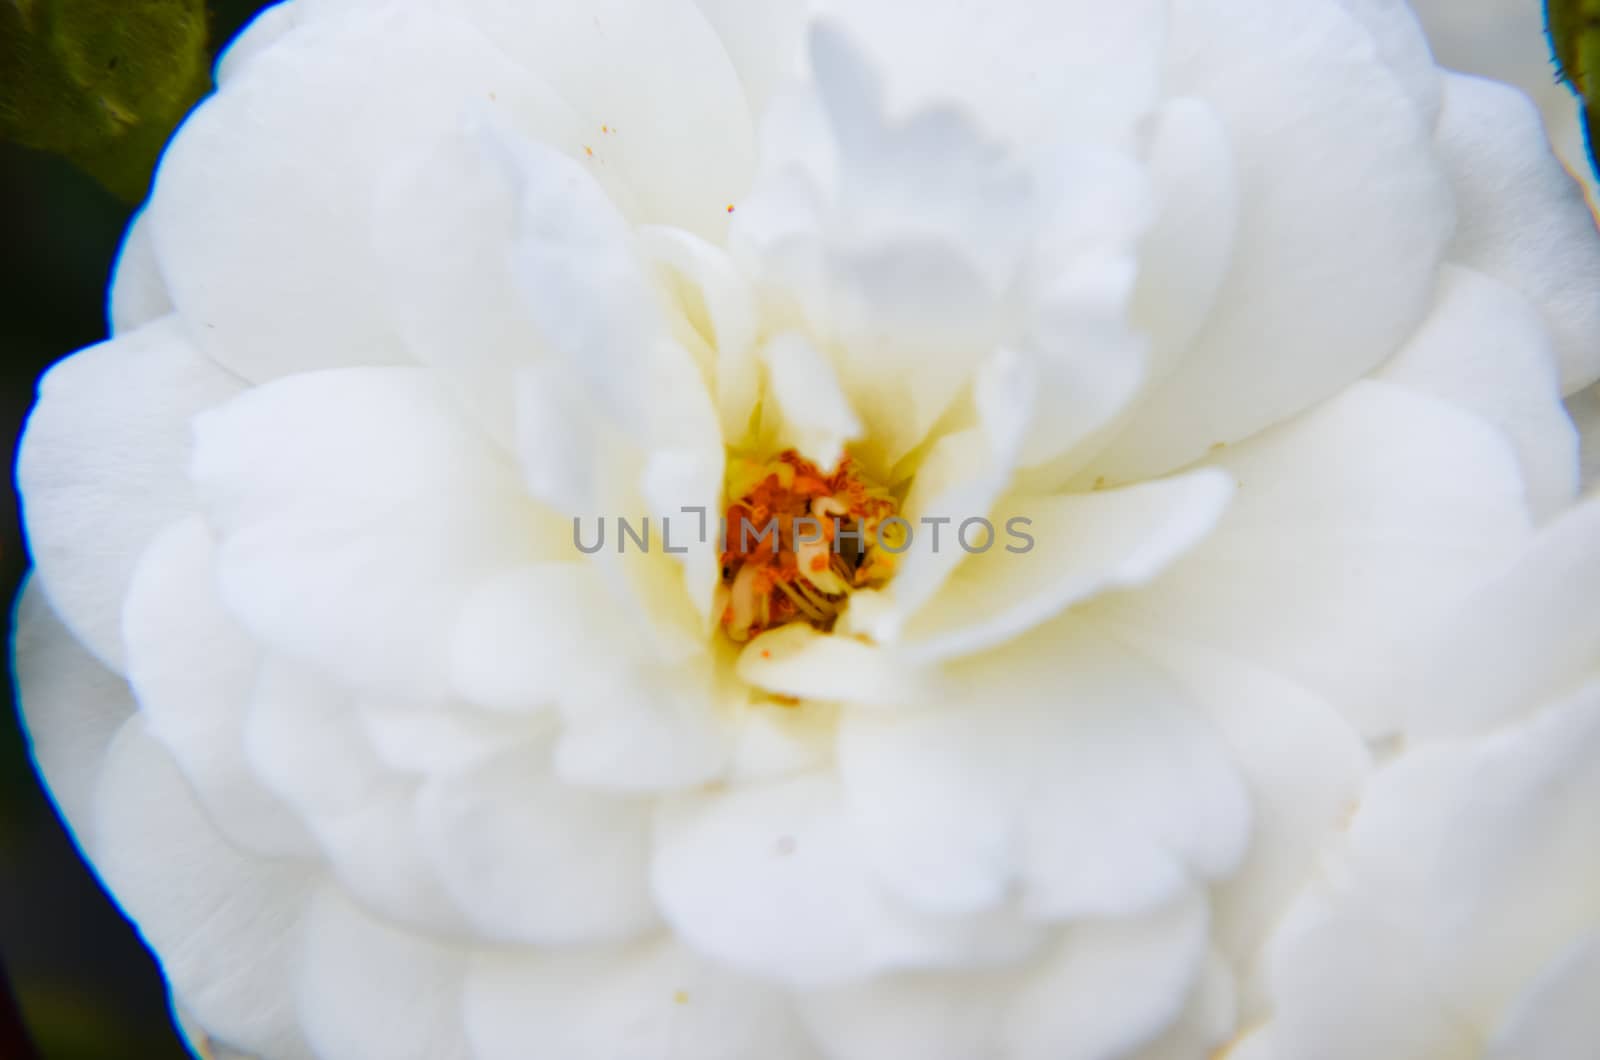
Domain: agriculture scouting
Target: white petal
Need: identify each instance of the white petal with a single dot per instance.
(1353, 526)
(226, 926)
(597, 310)
(193, 670)
(1584, 408)
(102, 469)
(797, 660)
(570, 459)
(960, 478)
(533, 860)
(1526, 634)
(1335, 176)
(1077, 546)
(438, 737)
(576, 265)
(1113, 986)
(306, 742)
(1102, 991)
(1556, 1018)
(1089, 255)
(1524, 220)
(1188, 250)
(1507, 41)
(1063, 766)
(1304, 767)
(1089, 70)
(950, 1016)
(771, 879)
(443, 226)
(1255, 1044)
(1404, 47)
(366, 990)
(1503, 827)
(680, 130)
(772, 741)
(138, 294)
(817, 417)
(269, 25)
(638, 728)
(762, 40)
(652, 1001)
(71, 708)
(522, 634)
(730, 317)
(896, 244)
(1487, 350)
(353, 510)
(279, 274)
(1207, 1020)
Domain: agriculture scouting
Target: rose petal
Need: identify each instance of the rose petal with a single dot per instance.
(1078, 546)
(533, 860)
(1103, 990)
(304, 291)
(193, 669)
(1485, 349)
(107, 447)
(1519, 883)
(817, 417)
(1584, 408)
(961, 477)
(227, 925)
(725, 861)
(677, 124)
(1090, 70)
(1063, 767)
(353, 511)
(1555, 1018)
(71, 708)
(1304, 767)
(649, 1001)
(731, 320)
(305, 740)
(1523, 219)
(1334, 172)
(368, 991)
(763, 41)
(1526, 634)
(1322, 564)
(138, 294)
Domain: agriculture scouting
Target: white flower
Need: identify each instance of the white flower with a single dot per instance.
(1462, 917)
(1261, 321)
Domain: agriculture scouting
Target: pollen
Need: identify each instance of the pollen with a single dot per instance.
(797, 541)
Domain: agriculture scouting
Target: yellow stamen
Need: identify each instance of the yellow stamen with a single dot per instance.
(799, 540)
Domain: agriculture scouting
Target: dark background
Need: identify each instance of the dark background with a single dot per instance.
(84, 984)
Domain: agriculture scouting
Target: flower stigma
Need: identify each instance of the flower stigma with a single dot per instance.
(798, 540)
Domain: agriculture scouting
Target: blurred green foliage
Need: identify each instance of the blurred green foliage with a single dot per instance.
(102, 82)
(1575, 33)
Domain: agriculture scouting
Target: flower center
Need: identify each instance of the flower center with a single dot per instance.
(799, 540)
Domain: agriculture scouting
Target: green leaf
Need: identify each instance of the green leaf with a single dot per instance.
(103, 82)
(1575, 33)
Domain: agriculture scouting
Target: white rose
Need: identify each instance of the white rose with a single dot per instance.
(1261, 321)
(1462, 916)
